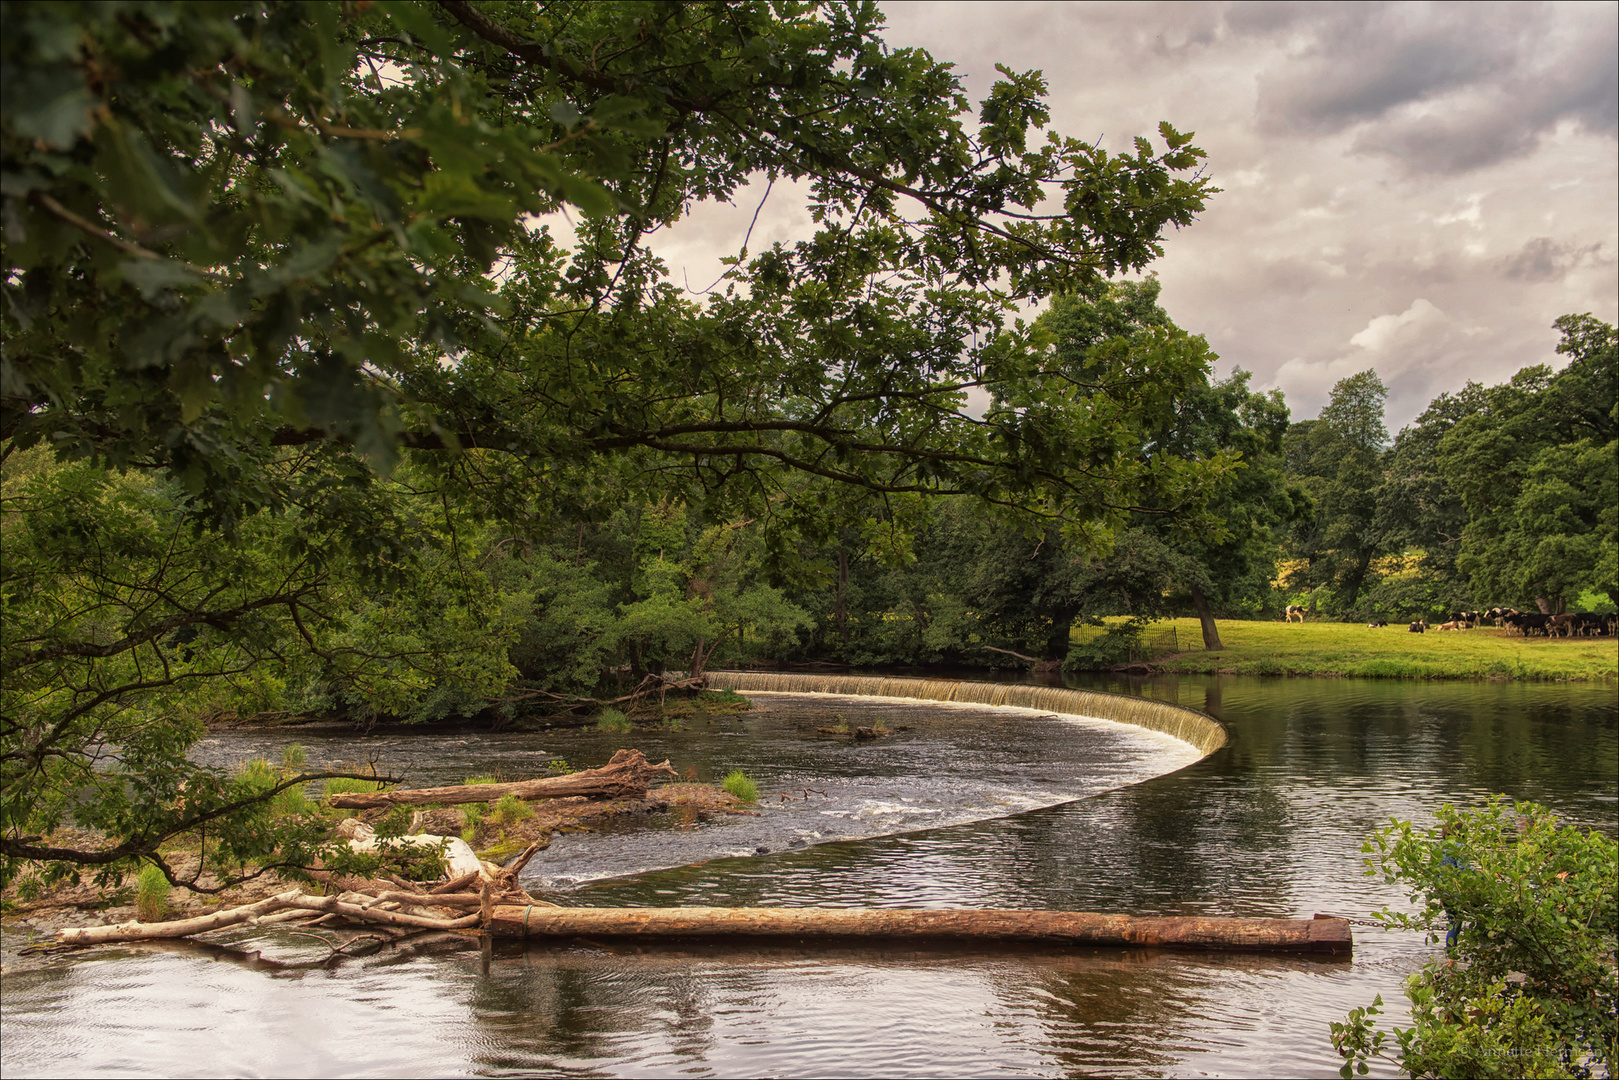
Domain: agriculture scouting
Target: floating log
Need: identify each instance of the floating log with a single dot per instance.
(627, 775)
(1320, 935)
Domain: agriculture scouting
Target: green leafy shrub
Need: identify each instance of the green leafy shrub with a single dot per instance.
(509, 809)
(1528, 988)
(738, 784)
(612, 720)
(151, 894)
(559, 765)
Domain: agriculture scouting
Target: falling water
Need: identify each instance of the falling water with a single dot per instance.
(1178, 721)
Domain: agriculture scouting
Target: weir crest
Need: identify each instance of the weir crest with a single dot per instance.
(1188, 725)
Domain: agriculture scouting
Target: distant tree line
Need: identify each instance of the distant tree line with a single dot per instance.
(1495, 496)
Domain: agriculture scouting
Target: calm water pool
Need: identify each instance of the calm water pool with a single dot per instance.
(1269, 825)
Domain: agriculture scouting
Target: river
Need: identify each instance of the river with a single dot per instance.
(958, 807)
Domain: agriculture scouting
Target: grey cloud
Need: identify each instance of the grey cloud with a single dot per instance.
(1545, 259)
(1441, 88)
(1364, 60)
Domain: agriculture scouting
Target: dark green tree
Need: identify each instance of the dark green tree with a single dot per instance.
(1535, 468)
(1337, 460)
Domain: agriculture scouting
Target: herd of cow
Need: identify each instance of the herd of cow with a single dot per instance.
(1572, 624)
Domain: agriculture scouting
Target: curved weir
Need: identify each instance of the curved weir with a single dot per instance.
(1178, 721)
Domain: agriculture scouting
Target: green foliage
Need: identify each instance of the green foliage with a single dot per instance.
(1507, 492)
(611, 720)
(151, 894)
(1337, 461)
(737, 783)
(559, 765)
(1529, 988)
(509, 810)
(477, 780)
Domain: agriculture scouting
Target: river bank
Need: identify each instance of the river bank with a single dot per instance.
(1354, 650)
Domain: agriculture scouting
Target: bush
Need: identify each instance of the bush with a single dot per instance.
(614, 721)
(151, 894)
(1528, 987)
(738, 784)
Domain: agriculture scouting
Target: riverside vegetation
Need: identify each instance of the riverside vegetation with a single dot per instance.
(1529, 986)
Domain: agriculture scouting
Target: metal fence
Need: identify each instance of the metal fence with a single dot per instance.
(1156, 641)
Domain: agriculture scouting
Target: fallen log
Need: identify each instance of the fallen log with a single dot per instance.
(1322, 935)
(628, 774)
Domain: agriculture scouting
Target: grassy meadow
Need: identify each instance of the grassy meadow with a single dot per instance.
(1332, 648)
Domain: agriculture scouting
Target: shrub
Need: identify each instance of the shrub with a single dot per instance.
(509, 809)
(738, 784)
(151, 894)
(1528, 987)
(559, 765)
(614, 721)
(294, 757)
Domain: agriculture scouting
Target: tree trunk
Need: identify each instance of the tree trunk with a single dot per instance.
(628, 774)
(1205, 618)
(840, 611)
(1544, 605)
(1057, 928)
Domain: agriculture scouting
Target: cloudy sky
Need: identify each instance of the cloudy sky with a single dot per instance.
(1416, 188)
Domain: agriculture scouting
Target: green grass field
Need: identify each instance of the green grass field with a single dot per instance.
(1329, 648)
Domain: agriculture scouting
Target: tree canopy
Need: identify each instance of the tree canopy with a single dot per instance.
(337, 370)
(245, 226)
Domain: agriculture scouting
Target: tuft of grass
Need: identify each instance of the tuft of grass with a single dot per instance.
(475, 781)
(614, 721)
(509, 810)
(151, 894)
(738, 784)
(293, 802)
(842, 726)
(673, 724)
(342, 785)
(294, 756)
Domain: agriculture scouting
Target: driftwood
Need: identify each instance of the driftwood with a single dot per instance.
(628, 774)
(482, 891)
(251, 914)
(1054, 928)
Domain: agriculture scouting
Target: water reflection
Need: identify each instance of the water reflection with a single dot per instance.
(1270, 825)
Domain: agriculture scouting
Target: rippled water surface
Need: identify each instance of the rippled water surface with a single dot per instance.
(1269, 825)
